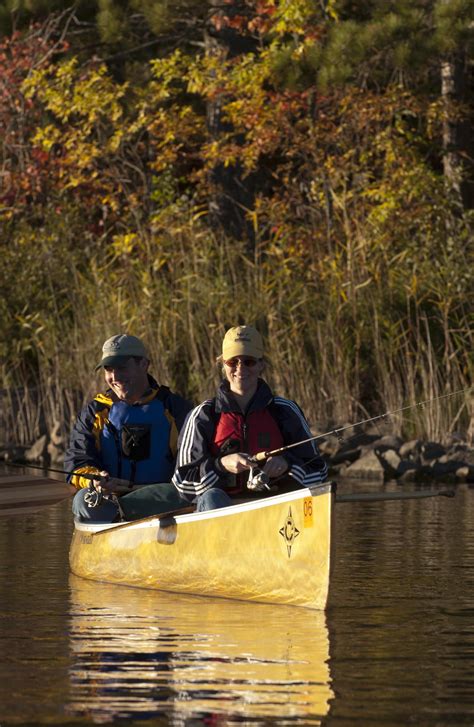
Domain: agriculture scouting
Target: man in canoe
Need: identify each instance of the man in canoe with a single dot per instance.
(243, 419)
(126, 436)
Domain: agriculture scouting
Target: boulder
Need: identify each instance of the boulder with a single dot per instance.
(337, 469)
(464, 454)
(346, 456)
(328, 446)
(407, 471)
(38, 452)
(431, 451)
(410, 449)
(463, 474)
(441, 470)
(351, 449)
(389, 441)
(56, 435)
(57, 444)
(55, 453)
(456, 438)
(12, 452)
(390, 459)
(358, 439)
(368, 466)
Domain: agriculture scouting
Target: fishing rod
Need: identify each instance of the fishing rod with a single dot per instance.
(86, 475)
(50, 469)
(261, 456)
(94, 496)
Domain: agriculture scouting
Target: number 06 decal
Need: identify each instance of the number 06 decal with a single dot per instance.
(308, 512)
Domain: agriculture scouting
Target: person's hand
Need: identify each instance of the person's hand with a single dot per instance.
(275, 466)
(235, 463)
(101, 483)
(108, 485)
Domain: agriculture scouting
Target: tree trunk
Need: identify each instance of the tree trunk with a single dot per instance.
(457, 139)
(233, 196)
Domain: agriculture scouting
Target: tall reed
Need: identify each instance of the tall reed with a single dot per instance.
(342, 357)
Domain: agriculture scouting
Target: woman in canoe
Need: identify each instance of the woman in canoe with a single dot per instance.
(244, 418)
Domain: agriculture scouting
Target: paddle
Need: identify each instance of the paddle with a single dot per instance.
(24, 494)
(376, 496)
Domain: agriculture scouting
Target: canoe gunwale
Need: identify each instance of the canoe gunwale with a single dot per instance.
(169, 519)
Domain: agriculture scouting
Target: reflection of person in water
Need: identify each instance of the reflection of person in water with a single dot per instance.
(120, 660)
(142, 654)
(129, 433)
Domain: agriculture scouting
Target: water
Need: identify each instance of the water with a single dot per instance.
(395, 647)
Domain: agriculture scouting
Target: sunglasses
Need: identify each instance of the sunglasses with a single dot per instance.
(249, 363)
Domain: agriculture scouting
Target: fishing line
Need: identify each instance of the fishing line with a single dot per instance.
(337, 431)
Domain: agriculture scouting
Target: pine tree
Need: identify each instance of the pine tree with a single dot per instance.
(422, 45)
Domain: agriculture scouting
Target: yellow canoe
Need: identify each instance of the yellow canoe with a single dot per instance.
(274, 550)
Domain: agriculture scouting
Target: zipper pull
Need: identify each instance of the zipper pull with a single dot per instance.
(244, 435)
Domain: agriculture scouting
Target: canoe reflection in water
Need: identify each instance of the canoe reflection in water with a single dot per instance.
(139, 654)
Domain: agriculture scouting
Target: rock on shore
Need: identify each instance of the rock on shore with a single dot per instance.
(388, 457)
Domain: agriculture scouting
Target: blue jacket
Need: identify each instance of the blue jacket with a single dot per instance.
(135, 442)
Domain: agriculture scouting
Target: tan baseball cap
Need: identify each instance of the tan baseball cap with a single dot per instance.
(242, 341)
(119, 348)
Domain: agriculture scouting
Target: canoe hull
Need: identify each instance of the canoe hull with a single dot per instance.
(276, 550)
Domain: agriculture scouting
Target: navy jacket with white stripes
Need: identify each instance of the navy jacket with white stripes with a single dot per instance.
(197, 467)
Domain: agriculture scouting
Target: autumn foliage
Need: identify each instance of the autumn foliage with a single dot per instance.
(117, 196)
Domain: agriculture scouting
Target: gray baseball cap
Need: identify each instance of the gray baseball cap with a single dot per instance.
(119, 348)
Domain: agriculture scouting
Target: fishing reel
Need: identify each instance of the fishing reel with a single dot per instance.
(93, 497)
(258, 480)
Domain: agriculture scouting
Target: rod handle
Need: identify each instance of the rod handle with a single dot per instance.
(259, 457)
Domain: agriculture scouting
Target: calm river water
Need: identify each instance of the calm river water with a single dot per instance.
(395, 648)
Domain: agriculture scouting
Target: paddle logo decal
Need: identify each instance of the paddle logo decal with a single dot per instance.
(289, 532)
